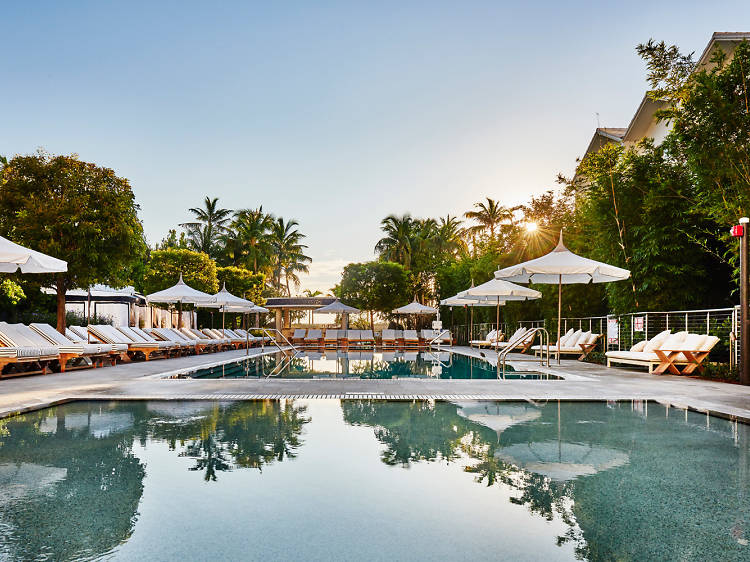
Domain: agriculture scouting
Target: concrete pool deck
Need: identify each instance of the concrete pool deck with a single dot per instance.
(584, 381)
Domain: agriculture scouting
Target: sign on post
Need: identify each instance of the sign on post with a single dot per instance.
(613, 331)
(638, 323)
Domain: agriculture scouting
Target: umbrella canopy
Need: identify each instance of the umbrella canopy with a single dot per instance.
(338, 307)
(562, 267)
(415, 308)
(562, 460)
(14, 257)
(498, 290)
(226, 299)
(181, 293)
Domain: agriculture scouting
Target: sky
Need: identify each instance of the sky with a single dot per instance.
(335, 114)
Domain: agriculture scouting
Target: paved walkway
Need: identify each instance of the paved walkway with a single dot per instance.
(584, 381)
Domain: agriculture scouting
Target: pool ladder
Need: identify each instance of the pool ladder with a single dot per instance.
(514, 343)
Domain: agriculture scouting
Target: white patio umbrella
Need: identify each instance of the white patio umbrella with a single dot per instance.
(500, 291)
(225, 299)
(338, 307)
(14, 257)
(416, 309)
(179, 294)
(562, 267)
(497, 416)
(458, 300)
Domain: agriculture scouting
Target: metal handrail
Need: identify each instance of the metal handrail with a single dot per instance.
(438, 338)
(283, 337)
(543, 333)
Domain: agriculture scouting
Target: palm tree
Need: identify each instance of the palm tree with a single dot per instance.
(396, 245)
(288, 253)
(208, 228)
(449, 237)
(248, 240)
(488, 216)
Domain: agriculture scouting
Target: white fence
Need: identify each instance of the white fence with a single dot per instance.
(622, 331)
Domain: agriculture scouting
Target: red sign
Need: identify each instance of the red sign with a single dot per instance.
(737, 230)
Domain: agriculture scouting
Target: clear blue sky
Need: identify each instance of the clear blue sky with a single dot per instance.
(336, 114)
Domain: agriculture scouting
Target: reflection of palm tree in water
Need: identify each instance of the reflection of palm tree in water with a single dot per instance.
(246, 435)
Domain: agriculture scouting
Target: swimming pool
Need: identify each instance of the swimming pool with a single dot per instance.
(335, 364)
(329, 479)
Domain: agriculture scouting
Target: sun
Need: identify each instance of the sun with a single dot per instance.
(531, 227)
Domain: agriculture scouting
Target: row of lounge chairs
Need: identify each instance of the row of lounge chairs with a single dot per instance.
(37, 348)
(388, 338)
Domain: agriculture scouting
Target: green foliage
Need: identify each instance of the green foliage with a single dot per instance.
(242, 283)
(375, 286)
(173, 241)
(210, 225)
(75, 211)
(165, 266)
(11, 292)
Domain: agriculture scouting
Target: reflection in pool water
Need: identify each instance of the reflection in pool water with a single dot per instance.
(365, 364)
(324, 479)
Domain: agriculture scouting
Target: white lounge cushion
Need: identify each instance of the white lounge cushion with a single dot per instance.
(640, 346)
(657, 340)
(709, 343)
(693, 342)
(566, 336)
(633, 355)
(673, 341)
(582, 339)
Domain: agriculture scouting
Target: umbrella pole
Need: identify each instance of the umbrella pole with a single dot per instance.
(471, 326)
(497, 324)
(223, 332)
(559, 314)
(179, 315)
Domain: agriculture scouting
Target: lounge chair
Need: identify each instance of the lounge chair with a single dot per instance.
(576, 343)
(331, 338)
(79, 334)
(298, 337)
(353, 337)
(70, 349)
(218, 343)
(411, 338)
(388, 338)
(234, 340)
(342, 340)
(178, 346)
(521, 342)
(165, 346)
(666, 352)
(20, 348)
(314, 338)
(492, 338)
(426, 336)
(109, 334)
(234, 336)
(366, 337)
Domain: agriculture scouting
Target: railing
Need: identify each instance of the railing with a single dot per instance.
(622, 331)
(438, 338)
(522, 338)
(273, 339)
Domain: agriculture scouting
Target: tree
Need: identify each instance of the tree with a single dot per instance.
(75, 211)
(165, 267)
(396, 245)
(375, 287)
(247, 242)
(288, 253)
(242, 283)
(205, 233)
(489, 215)
(172, 241)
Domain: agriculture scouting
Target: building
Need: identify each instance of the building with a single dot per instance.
(644, 123)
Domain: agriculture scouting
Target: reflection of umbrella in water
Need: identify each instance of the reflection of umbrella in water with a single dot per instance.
(181, 409)
(562, 460)
(495, 415)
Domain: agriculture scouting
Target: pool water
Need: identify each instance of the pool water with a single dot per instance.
(375, 480)
(363, 365)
